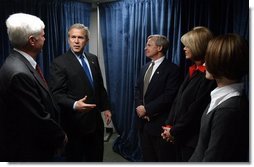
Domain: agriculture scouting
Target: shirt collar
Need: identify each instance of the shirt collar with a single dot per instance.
(158, 61)
(28, 57)
(219, 95)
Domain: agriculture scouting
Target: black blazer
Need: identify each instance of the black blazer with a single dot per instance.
(186, 111)
(69, 83)
(159, 95)
(224, 133)
(28, 115)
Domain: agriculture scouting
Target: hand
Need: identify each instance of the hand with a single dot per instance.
(65, 139)
(60, 151)
(166, 134)
(81, 106)
(141, 111)
(107, 115)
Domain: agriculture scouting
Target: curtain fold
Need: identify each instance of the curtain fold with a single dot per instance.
(57, 15)
(125, 25)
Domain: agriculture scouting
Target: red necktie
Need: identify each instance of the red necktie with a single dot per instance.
(194, 68)
(38, 69)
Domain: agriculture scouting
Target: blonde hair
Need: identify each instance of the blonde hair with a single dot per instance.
(197, 40)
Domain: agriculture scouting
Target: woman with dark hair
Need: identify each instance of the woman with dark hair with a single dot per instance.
(224, 133)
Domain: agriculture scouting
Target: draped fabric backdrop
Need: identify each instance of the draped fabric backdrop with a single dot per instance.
(57, 15)
(125, 26)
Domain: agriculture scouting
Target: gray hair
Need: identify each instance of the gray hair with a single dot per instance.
(80, 26)
(21, 26)
(160, 40)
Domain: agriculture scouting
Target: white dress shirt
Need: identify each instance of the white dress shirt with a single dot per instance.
(219, 95)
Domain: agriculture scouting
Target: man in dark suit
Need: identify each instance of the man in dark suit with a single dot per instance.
(77, 85)
(155, 90)
(28, 116)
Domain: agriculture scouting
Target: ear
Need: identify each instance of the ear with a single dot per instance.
(160, 48)
(31, 40)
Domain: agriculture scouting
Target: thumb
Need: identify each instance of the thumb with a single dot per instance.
(84, 99)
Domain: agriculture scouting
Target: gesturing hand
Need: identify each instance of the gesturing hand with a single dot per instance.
(81, 106)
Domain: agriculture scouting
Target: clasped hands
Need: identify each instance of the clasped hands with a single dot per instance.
(166, 134)
(141, 112)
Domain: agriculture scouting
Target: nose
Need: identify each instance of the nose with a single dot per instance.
(76, 40)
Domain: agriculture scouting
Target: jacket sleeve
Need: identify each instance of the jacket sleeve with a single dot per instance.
(58, 85)
(190, 119)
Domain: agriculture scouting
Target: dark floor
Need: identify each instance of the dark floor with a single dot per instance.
(109, 154)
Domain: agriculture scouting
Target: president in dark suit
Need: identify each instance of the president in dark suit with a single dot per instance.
(155, 90)
(77, 85)
(28, 117)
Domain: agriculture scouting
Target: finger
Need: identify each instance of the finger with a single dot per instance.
(108, 121)
(89, 105)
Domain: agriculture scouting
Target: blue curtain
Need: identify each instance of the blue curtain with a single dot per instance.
(125, 25)
(57, 15)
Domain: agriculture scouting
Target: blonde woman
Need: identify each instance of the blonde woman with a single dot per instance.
(183, 124)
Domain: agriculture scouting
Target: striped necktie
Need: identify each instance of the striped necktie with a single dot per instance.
(147, 78)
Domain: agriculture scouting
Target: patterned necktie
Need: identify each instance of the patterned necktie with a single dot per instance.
(85, 67)
(38, 69)
(147, 78)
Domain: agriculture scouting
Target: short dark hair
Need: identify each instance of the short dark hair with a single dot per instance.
(227, 56)
(80, 26)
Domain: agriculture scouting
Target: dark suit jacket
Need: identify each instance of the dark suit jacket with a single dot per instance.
(69, 83)
(28, 117)
(224, 133)
(159, 95)
(186, 111)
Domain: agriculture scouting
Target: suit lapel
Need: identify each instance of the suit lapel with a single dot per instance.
(91, 64)
(32, 70)
(39, 79)
(76, 64)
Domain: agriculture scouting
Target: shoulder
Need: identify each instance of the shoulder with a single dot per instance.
(233, 109)
(169, 63)
(15, 68)
(15, 65)
(91, 56)
(64, 58)
(236, 102)
(169, 66)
